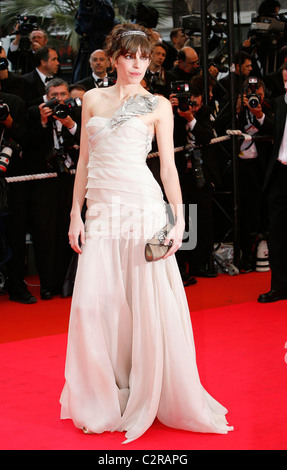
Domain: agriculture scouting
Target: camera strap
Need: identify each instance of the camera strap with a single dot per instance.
(2, 137)
(57, 134)
(250, 129)
(59, 141)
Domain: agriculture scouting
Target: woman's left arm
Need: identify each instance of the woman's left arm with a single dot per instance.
(168, 171)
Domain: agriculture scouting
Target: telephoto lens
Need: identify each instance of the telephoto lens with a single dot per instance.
(5, 157)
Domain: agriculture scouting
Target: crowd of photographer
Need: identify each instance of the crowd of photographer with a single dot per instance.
(40, 134)
(40, 123)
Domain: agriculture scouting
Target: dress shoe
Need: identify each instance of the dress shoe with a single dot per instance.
(23, 297)
(246, 268)
(189, 281)
(272, 296)
(202, 272)
(46, 294)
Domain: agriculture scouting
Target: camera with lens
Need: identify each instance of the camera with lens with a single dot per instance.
(156, 84)
(253, 99)
(8, 146)
(266, 25)
(27, 24)
(4, 111)
(192, 26)
(3, 63)
(62, 110)
(56, 160)
(181, 91)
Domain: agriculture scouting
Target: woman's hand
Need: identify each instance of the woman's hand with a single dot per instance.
(175, 235)
(76, 233)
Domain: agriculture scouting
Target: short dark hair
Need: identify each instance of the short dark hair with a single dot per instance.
(160, 44)
(196, 86)
(174, 32)
(241, 57)
(42, 54)
(268, 7)
(77, 86)
(56, 82)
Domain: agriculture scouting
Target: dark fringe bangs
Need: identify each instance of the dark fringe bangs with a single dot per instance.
(130, 45)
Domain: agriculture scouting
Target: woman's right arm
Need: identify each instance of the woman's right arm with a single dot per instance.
(77, 229)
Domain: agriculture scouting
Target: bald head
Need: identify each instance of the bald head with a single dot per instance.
(188, 59)
(99, 62)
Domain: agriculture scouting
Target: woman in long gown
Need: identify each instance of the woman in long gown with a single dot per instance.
(130, 353)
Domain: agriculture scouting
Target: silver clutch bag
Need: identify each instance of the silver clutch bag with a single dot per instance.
(155, 248)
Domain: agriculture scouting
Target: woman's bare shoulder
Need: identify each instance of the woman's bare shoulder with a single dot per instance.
(164, 107)
(95, 101)
(92, 96)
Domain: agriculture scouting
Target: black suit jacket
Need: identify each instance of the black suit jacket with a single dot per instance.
(279, 126)
(18, 132)
(264, 147)
(171, 56)
(14, 84)
(35, 88)
(202, 133)
(41, 140)
(274, 83)
(222, 94)
(22, 61)
(88, 82)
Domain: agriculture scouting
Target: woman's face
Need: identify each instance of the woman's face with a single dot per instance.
(131, 68)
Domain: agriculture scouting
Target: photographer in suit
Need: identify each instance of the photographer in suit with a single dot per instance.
(155, 77)
(22, 49)
(187, 67)
(10, 82)
(275, 81)
(276, 188)
(178, 38)
(193, 125)
(13, 136)
(54, 146)
(243, 68)
(46, 67)
(99, 63)
(255, 118)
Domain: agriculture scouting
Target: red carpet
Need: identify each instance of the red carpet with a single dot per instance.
(241, 348)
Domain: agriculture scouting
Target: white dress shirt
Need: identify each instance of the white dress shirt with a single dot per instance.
(282, 156)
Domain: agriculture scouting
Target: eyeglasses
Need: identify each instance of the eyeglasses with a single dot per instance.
(192, 62)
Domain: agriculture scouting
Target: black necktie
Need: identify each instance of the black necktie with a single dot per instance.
(152, 74)
(99, 82)
(47, 79)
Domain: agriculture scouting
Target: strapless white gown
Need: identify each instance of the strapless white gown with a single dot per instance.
(130, 353)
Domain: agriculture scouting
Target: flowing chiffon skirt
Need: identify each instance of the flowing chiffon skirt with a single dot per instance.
(131, 354)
